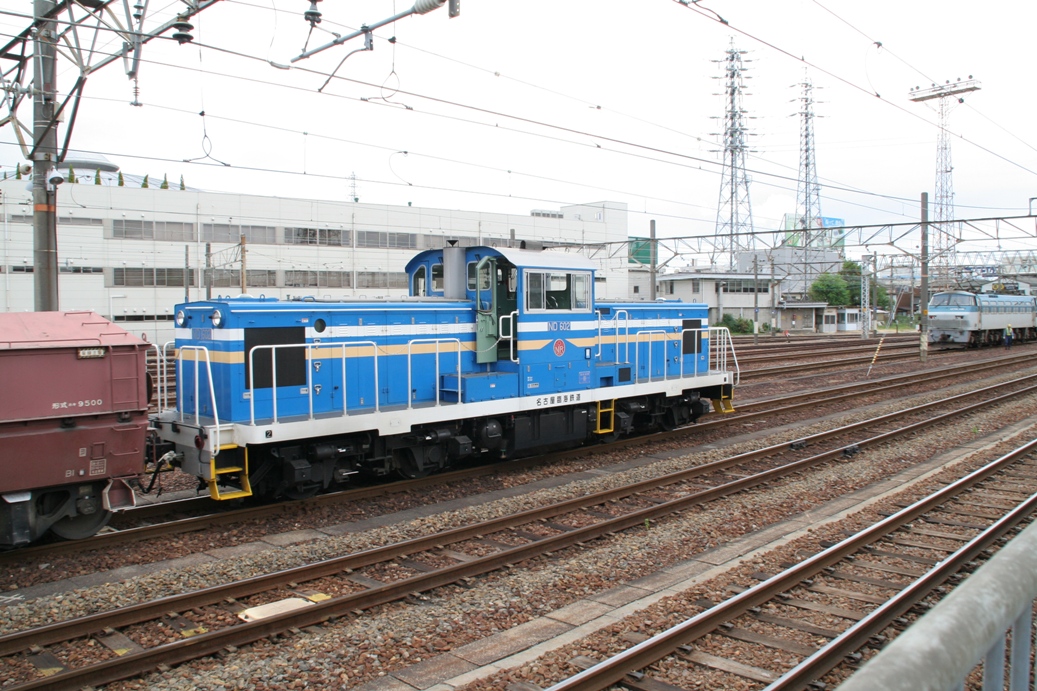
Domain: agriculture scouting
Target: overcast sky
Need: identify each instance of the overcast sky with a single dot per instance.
(516, 106)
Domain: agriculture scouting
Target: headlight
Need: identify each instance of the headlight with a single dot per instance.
(180, 317)
(217, 318)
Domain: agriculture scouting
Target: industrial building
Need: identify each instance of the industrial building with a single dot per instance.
(133, 252)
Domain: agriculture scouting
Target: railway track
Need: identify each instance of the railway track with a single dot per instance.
(217, 516)
(205, 622)
(907, 557)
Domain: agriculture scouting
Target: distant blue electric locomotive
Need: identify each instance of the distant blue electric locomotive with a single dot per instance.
(496, 353)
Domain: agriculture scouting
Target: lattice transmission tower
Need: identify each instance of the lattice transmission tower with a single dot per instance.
(945, 235)
(808, 192)
(734, 229)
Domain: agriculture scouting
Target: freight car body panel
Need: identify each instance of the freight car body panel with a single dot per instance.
(73, 422)
(496, 351)
(978, 319)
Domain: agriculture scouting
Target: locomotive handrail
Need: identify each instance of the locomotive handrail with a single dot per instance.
(160, 374)
(694, 354)
(637, 353)
(626, 341)
(724, 343)
(410, 366)
(511, 333)
(374, 351)
(273, 376)
(309, 375)
(212, 391)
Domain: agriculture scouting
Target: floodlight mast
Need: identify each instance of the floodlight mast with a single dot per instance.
(420, 7)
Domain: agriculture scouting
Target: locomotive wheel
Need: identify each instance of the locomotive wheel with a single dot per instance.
(407, 465)
(81, 526)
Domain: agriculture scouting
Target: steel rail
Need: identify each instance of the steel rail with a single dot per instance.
(747, 410)
(640, 656)
(203, 644)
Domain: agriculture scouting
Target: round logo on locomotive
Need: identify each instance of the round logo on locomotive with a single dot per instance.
(559, 347)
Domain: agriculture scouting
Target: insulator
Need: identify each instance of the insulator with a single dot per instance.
(312, 15)
(182, 32)
(425, 6)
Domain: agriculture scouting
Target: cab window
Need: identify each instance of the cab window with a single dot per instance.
(418, 282)
(556, 290)
(437, 278)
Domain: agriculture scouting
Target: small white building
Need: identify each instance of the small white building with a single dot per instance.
(737, 294)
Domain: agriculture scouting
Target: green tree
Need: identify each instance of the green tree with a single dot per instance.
(144, 185)
(851, 273)
(122, 183)
(17, 172)
(97, 176)
(165, 182)
(830, 288)
(71, 175)
(182, 185)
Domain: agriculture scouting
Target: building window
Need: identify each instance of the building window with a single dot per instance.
(150, 277)
(318, 279)
(386, 240)
(80, 270)
(232, 232)
(334, 237)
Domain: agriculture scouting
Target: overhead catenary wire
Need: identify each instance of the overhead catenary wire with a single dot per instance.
(618, 141)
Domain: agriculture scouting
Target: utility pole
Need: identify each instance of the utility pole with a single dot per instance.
(756, 303)
(774, 301)
(187, 273)
(208, 271)
(244, 288)
(653, 254)
(44, 156)
(865, 297)
(923, 298)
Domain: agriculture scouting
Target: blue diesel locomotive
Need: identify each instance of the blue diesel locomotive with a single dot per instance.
(977, 319)
(496, 353)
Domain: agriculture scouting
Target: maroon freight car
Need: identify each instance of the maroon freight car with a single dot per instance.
(73, 423)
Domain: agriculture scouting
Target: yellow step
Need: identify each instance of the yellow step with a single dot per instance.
(229, 469)
(215, 493)
(723, 405)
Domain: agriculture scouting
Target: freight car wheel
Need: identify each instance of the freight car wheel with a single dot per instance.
(81, 526)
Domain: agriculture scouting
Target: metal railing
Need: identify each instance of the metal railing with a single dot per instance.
(720, 344)
(941, 649)
(197, 390)
(513, 345)
(651, 333)
(620, 322)
(410, 366)
(343, 347)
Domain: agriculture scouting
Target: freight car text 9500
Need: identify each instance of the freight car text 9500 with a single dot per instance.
(73, 423)
(497, 353)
